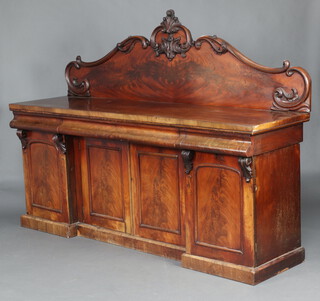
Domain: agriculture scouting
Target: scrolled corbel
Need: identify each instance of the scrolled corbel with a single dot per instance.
(187, 157)
(246, 167)
(59, 143)
(22, 134)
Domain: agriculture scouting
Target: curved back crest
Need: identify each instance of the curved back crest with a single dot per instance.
(172, 67)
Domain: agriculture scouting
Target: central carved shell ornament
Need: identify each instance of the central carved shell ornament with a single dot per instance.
(171, 38)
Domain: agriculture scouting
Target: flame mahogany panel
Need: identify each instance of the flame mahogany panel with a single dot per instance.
(158, 194)
(201, 78)
(46, 172)
(105, 184)
(277, 202)
(218, 207)
(172, 67)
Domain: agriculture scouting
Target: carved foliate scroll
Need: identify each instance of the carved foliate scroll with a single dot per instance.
(59, 143)
(245, 164)
(22, 134)
(171, 39)
(171, 46)
(291, 101)
(187, 157)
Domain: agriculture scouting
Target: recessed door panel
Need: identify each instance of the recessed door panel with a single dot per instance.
(105, 184)
(44, 176)
(158, 194)
(45, 167)
(218, 207)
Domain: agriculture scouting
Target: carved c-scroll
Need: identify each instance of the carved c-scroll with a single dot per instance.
(171, 46)
(127, 45)
(58, 141)
(282, 99)
(22, 134)
(245, 164)
(187, 157)
(176, 39)
(218, 47)
(81, 87)
(76, 87)
(291, 101)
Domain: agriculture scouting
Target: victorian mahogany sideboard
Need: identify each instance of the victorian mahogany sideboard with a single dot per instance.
(179, 147)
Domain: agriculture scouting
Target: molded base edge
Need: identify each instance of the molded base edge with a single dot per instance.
(44, 225)
(102, 234)
(248, 275)
(130, 241)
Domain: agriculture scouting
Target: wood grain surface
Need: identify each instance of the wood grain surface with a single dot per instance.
(105, 184)
(278, 228)
(158, 195)
(46, 178)
(160, 113)
(202, 78)
(220, 210)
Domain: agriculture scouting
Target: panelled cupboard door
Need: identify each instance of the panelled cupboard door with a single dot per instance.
(45, 171)
(158, 194)
(105, 184)
(220, 209)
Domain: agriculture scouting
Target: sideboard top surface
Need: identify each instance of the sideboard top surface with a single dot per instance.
(162, 114)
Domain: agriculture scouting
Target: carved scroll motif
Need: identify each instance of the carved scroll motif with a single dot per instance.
(284, 99)
(22, 134)
(171, 46)
(127, 45)
(59, 143)
(172, 38)
(76, 87)
(187, 157)
(217, 46)
(291, 101)
(245, 164)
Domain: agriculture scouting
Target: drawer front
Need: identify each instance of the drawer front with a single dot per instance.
(158, 194)
(105, 184)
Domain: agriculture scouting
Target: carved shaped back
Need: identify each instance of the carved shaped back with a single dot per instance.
(172, 67)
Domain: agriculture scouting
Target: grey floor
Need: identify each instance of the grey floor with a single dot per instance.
(38, 266)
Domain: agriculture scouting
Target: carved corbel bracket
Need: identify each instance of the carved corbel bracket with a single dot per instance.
(22, 134)
(187, 157)
(245, 164)
(58, 141)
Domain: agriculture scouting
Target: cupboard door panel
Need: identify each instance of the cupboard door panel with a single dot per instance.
(218, 207)
(44, 176)
(158, 194)
(105, 184)
(45, 167)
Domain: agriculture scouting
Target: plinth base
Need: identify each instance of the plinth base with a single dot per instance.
(249, 275)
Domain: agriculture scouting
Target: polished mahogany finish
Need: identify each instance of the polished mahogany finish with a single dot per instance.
(178, 147)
